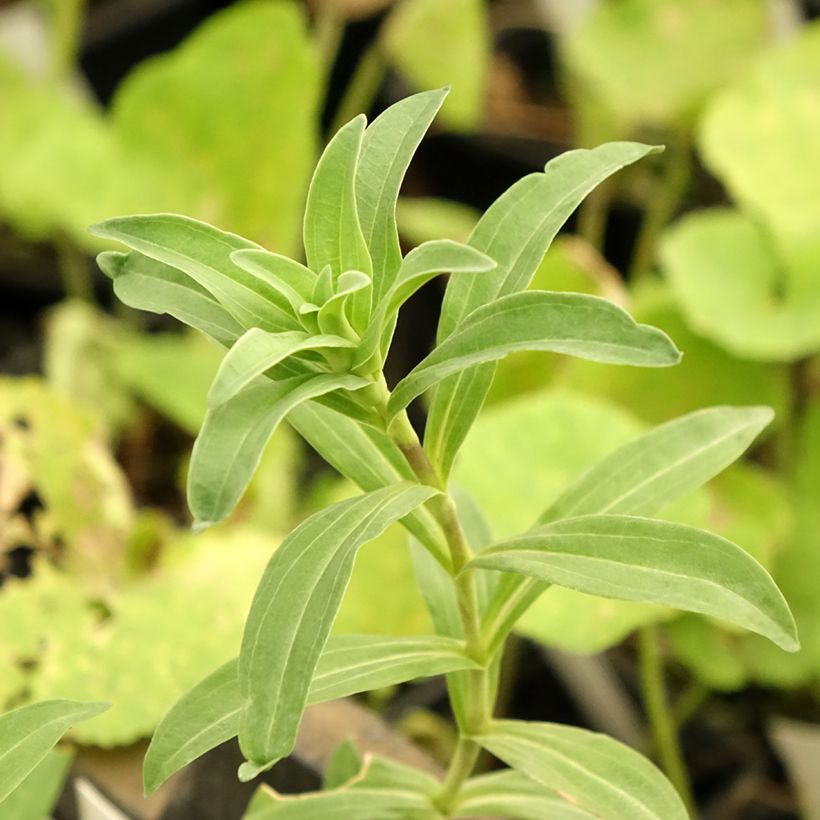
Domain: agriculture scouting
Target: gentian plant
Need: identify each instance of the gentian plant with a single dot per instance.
(307, 342)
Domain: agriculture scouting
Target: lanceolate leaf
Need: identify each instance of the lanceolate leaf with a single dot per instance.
(418, 267)
(293, 610)
(234, 434)
(642, 559)
(292, 279)
(662, 465)
(145, 284)
(359, 663)
(511, 794)
(332, 233)
(202, 719)
(388, 146)
(583, 326)
(257, 351)
(598, 774)
(38, 793)
(209, 714)
(516, 232)
(370, 459)
(204, 253)
(28, 733)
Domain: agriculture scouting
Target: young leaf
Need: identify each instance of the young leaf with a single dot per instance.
(145, 284)
(203, 253)
(257, 351)
(662, 465)
(642, 559)
(583, 326)
(516, 232)
(598, 774)
(419, 266)
(332, 233)
(387, 148)
(293, 610)
(511, 794)
(234, 434)
(368, 458)
(292, 279)
(359, 663)
(28, 733)
(202, 719)
(333, 315)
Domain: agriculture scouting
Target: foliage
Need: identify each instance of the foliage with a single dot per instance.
(308, 342)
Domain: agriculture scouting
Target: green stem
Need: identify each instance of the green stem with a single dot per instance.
(66, 30)
(461, 766)
(329, 29)
(77, 281)
(592, 217)
(662, 206)
(362, 88)
(661, 721)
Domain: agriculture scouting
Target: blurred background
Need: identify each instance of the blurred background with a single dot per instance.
(219, 110)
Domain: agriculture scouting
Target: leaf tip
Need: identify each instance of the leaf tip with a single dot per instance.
(248, 770)
(199, 525)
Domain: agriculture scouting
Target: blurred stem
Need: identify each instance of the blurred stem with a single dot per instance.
(665, 201)
(661, 721)
(67, 18)
(689, 703)
(77, 282)
(592, 217)
(363, 86)
(329, 31)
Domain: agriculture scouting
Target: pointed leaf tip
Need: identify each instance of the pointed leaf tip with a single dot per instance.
(248, 770)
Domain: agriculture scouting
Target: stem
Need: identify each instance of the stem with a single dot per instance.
(66, 31)
(329, 30)
(77, 281)
(362, 88)
(592, 217)
(662, 206)
(661, 721)
(461, 766)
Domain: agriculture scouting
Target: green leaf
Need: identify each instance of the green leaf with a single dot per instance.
(387, 149)
(344, 764)
(598, 774)
(359, 663)
(641, 559)
(252, 69)
(333, 314)
(291, 278)
(203, 253)
(734, 288)
(27, 735)
(143, 283)
(234, 434)
(257, 351)
(202, 719)
(433, 44)
(662, 465)
(368, 458)
(417, 268)
(37, 795)
(511, 794)
(575, 324)
(287, 627)
(383, 789)
(515, 231)
(332, 232)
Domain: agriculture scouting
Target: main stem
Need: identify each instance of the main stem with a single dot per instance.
(479, 708)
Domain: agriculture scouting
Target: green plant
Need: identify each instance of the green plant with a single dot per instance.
(308, 342)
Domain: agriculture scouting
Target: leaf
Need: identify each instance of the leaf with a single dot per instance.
(434, 44)
(28, 733)
(387, 149)
(234, 434)
(515, 231)
(419, 266)
(382, 789)
(332, 233)
(257, 351)
(360, 663)
(143, 283)
(641, 559)
(368, 458)
(37, 795)
(202, 719)
(734, 288)
(344, 764)
(511, 794)
(658, 467)
(287, 627)
(579, 325)
(657, 63)
(252, 69)
(291, 278)
(598, 774)
(203, 252)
